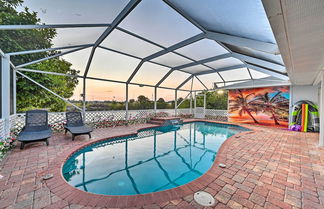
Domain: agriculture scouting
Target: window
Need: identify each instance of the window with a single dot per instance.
(237, 74)
(151, 18)
(150, 73)
(111, 65)
(210, 79)
(171, 59)
(126, 43)
(74, 12)
(175, 79)
(202, 49)
(228, 62)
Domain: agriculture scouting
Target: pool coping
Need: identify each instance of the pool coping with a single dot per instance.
(64, 190)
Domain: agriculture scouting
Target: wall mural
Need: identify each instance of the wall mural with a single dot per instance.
(263, 106)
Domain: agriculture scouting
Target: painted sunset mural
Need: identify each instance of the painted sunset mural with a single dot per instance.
(263, 106)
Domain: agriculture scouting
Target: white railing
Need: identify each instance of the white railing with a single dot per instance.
(2, 128)
(220, 115)
(57, 119)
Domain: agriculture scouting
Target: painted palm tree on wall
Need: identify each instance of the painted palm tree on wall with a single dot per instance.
(274, 106)
(243, 104)
(264, 106)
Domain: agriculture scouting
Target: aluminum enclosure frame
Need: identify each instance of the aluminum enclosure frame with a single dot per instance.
(264, 66)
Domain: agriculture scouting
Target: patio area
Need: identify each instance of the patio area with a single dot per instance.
(265, 168)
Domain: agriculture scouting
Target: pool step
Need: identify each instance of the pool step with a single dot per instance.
(166, 121)
(166, 118)
(157, 122)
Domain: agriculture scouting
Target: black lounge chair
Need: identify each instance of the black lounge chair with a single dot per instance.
(36, 128)
(75, 125)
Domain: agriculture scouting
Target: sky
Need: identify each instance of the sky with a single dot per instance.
(151, 19)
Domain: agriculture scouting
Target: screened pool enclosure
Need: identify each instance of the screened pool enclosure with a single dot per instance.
(176, 45)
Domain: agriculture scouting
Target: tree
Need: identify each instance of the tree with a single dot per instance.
(117, 106)
(161, 104)
(179, 100)
(213, 101)
(184, 104)
(161, 100)
(144, 102)
(271, 105)
(242, 104)
(29, 95)
(142, 99)
(217, 101)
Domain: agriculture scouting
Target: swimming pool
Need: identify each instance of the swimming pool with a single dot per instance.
(155, 159)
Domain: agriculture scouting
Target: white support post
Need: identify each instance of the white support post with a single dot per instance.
(175, 102)
(14, 80)
(195, 100)
(126, 102)
(84, 99)
(190, 102)
(205, 104)
(5, 94)
(195, 103)
(155, 97)
(191, 95)
(321, 136)
(291, 93)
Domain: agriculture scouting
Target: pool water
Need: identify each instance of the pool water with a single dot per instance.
(153, 160)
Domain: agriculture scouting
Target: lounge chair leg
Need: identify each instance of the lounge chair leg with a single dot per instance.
(73, 137)
(46, 141)
(22, 144)
(89, 135)
(65, 131)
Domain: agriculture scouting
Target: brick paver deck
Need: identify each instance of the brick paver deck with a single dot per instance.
(266, 168)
